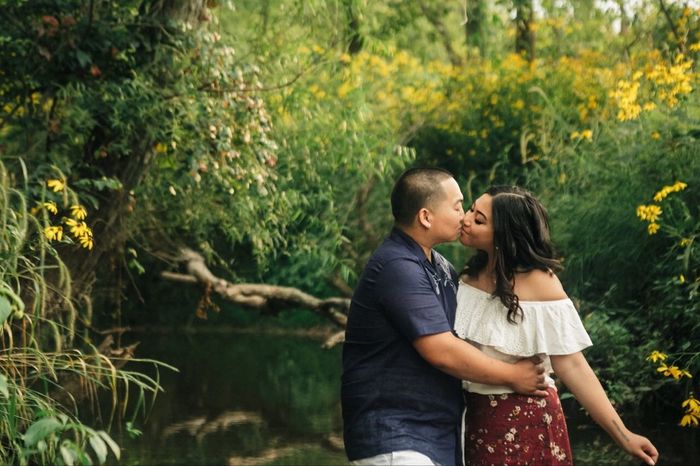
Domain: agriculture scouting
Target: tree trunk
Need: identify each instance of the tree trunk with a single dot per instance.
(624, 20)
(524, 35)
(434, 19)
(354, 38)
(475, 27)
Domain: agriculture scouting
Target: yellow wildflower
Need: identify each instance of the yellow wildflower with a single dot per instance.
(655, 135)
(81, 231)
(666, 190)
(652, 228)
(583, 113)
(671, 371)
(626, 98)
(51, 207)
(650, 212)
(161, 148)
(78, 211)
(692, 405)
(344, 89)
(694, 47)
(657, 355)
(78, 229)
(56, 185)
(86, 242)
(53, 233)
(689, 419)
(685, 242)
(681, 278)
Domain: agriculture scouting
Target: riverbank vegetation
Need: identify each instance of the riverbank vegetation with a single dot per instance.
(266, 136)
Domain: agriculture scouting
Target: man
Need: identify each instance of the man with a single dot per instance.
(402, 364)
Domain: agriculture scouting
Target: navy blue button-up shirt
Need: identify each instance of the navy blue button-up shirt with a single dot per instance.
(392, 398)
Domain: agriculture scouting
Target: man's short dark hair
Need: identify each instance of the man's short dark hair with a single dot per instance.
(416, 188)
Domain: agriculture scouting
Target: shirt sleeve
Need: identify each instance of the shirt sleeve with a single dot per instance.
(409, 299)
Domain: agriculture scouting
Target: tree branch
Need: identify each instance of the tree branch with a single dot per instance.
(681, 42)
(263, 297)
(442, 31)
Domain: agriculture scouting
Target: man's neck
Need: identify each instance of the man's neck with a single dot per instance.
(419, 238)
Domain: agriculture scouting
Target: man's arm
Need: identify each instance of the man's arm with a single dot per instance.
(463, 361)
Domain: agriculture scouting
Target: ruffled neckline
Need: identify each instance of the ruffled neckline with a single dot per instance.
(548, 327)
(479, 290)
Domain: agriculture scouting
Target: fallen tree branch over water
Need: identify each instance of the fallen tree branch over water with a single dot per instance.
(262, 297)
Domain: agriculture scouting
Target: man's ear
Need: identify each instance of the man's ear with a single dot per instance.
(425, 218)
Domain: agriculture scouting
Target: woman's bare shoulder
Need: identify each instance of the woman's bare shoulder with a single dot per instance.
(538, 285)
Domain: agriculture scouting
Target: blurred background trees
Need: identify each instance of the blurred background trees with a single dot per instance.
(267, 134)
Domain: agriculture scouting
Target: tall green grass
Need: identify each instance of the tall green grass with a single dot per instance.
(47, 367)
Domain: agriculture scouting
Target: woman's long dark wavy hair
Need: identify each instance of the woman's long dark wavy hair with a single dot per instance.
(521, 243)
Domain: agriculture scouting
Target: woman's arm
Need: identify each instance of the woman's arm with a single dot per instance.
(577, 375)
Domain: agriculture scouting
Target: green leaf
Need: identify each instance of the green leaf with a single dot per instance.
(68, 455)
(136, 266)
(40, 430)
(3, 386)
(100, 448)
(83, 58)
(112, 444)
(5, 309)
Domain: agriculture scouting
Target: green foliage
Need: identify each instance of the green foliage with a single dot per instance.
(39, 421)
(625, 374)
(43, 439)
(267, 136)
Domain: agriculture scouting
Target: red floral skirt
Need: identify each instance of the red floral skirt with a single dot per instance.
(512, 429)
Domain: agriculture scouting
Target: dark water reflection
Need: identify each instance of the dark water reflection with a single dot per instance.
(248, 399)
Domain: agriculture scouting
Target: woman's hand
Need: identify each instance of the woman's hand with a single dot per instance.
(574, 371)
(641, 447)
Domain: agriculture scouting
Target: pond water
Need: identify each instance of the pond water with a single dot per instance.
(246, 398)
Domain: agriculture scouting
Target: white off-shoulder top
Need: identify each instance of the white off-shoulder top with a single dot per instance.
(548, 328)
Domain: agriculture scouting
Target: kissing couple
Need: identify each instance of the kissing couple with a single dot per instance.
(441, 368)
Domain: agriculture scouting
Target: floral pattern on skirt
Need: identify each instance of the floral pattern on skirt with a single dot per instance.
(512, 429)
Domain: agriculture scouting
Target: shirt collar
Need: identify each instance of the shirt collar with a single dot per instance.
(401, 236)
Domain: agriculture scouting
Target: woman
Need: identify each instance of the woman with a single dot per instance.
(511, 305)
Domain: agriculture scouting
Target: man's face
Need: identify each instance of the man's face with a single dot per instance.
(447, 213)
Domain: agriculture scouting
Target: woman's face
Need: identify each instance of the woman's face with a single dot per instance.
(477, 230)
